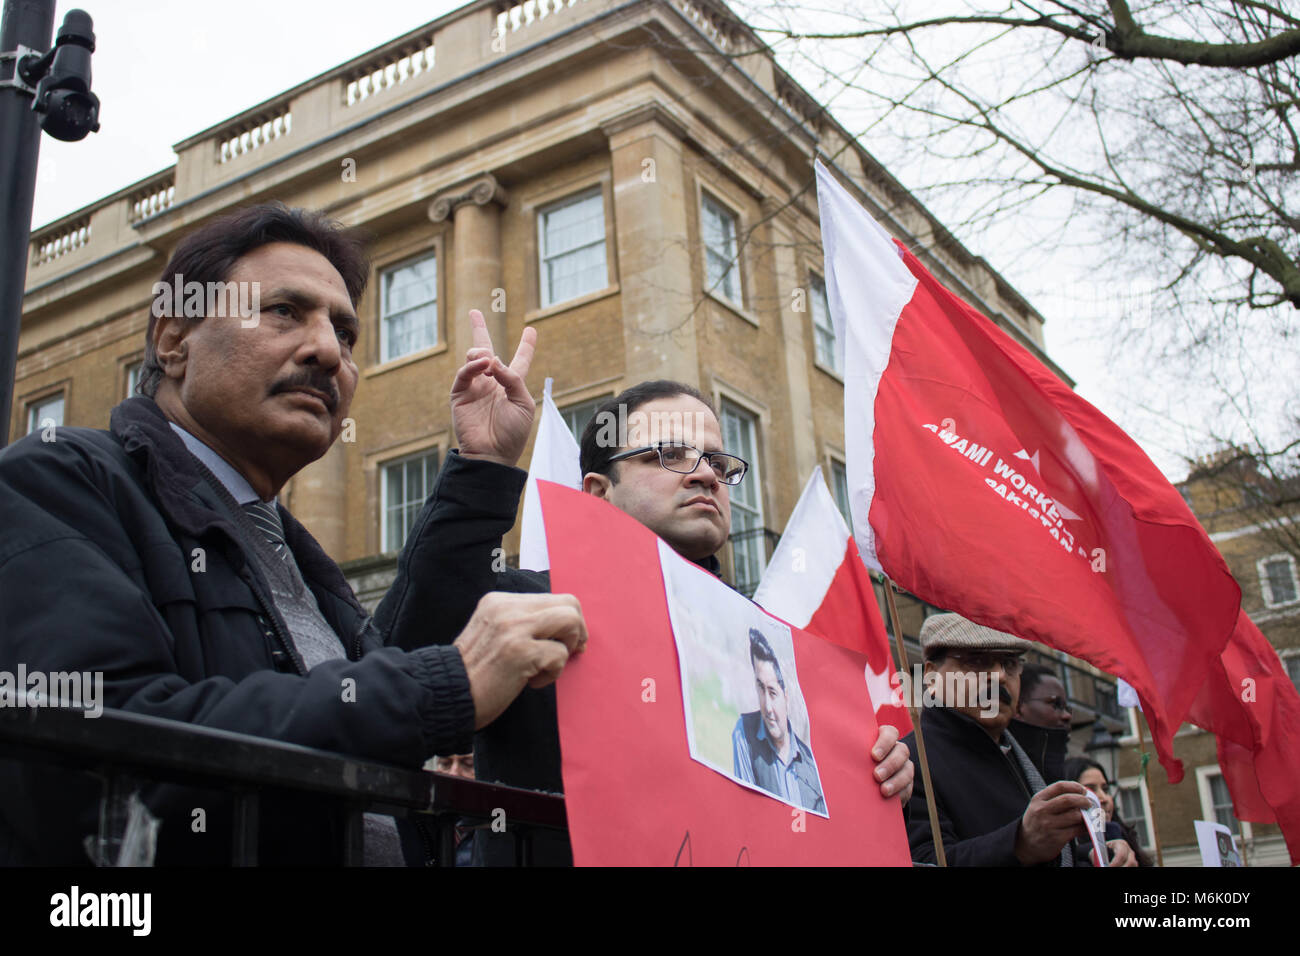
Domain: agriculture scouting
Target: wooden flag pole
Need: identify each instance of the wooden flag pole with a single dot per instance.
(915, 714)
(1155, 829)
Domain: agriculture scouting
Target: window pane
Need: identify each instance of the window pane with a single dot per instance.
(823, 327)
(1133, 812)
(577, 416)
(1281, 581)
(133, 377)
(748, 548)
(406, 485)
(1292, 664)
(409, 308)
(44, 413)
(718, 229)
(840, 489)
(1222, 801)
(571, 243)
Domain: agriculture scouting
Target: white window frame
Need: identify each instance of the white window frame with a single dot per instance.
(385, 545)
(755, 546)
(1139, 784)
(133, 372)
(384, 314)
(545, 294)
(1266, 589)
(734, 271)
(34, 406)
(822, 301)
(1203, 777)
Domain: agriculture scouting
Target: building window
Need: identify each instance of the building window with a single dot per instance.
(1132, 809)
(1221, 803)
(840, 489)
(721, 268)
(1277, 580)
(408, 308)
(748, 544)
(133, 377)
(823, 329)
(1292, 665)
(577, 416)
(571, 244)
(45, 413)
(406, 484)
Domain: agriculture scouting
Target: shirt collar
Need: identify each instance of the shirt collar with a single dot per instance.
(230, 478)
(762, 735)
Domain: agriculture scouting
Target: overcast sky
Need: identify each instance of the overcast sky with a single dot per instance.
(166, 70)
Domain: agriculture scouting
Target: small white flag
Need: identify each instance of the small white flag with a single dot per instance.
(1126, 695)
(555, 458)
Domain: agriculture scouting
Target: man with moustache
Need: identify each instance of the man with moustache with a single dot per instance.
(156, 553)
(992, 804)
(670, 472)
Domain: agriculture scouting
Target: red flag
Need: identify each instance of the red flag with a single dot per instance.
(634, 793)
(1252, 708)
(816, 581)
(982, 484)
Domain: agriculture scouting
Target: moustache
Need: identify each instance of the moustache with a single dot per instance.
(318, 381)
(1004, 695)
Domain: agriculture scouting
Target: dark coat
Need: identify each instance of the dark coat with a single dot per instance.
(100, 571)
(1046, 747)
(980, 793)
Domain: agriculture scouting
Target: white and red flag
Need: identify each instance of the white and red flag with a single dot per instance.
(555, 458)
(816, 581)
(982, 484)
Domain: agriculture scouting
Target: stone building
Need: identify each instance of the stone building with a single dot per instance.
(633, 178)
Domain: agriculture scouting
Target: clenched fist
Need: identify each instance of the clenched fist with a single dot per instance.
(517, 639)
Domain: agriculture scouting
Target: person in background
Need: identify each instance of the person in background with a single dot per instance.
(1041, 724)
(1089, 773)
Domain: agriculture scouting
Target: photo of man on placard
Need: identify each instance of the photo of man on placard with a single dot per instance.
(746, 716)
(766, 750)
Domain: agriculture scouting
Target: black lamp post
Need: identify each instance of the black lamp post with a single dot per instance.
(49, 90)
(1104, 748)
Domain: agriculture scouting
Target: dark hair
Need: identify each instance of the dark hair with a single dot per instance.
(1074, 769)
(761, 650)
(1032, 676)
(594, 455)
(210, 253)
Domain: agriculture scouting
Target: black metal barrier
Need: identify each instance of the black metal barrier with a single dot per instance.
(122, 747)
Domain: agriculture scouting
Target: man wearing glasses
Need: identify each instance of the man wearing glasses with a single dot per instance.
(1042, 720)
(669, 470)
(994, 808)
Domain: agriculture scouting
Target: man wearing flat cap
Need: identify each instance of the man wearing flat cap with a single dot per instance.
(993, 807)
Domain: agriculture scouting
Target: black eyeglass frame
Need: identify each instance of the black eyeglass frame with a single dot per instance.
(658, 448)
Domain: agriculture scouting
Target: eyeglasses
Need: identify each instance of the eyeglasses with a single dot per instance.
(1057, 703)
(1011, 664)
(684, 459)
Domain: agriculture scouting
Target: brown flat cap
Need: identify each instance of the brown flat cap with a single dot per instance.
(953, 630)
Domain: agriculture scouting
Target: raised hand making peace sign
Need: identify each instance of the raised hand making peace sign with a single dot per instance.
(491, 410)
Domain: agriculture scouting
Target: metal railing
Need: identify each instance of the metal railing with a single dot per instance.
(122, 748)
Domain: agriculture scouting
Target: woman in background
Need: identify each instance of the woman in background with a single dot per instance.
(1089, 773)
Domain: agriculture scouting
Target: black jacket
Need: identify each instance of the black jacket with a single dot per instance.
(100, 570)
(1046, 747)
(980, 793)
